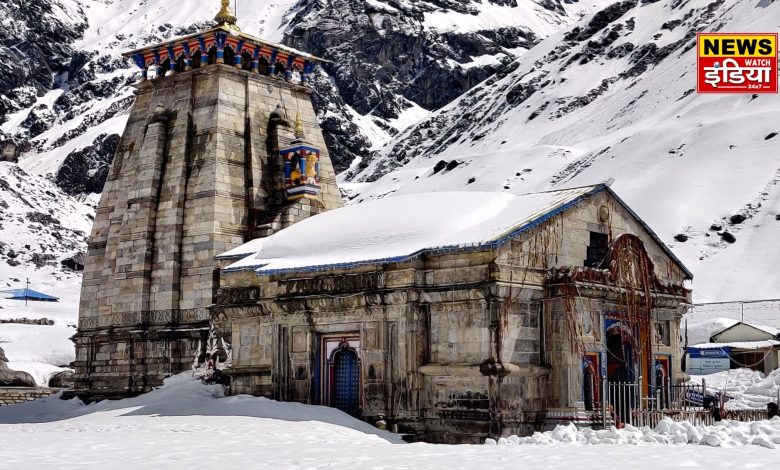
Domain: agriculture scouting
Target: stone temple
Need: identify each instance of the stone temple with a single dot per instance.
(198, 171)
(452, 316)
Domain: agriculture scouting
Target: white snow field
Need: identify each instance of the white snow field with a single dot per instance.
(745, 388)
(185, 424)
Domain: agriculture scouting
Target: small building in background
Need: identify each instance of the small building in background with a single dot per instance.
(742, 345)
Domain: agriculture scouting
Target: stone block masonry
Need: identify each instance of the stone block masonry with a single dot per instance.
(17, 395)
(197, 173)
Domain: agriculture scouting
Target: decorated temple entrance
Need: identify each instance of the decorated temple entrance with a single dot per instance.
(628, 359)
(338, 373)
(621, 366)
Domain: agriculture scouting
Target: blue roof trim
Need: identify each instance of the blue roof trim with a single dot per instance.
(512, 233)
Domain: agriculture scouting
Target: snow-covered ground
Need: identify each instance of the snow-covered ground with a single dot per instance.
(745, 388)
(186, 424)
(726, 433)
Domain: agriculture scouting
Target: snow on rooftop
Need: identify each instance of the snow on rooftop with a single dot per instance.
(397, 228)
(701, 332)
(739, 345)
(766, 329)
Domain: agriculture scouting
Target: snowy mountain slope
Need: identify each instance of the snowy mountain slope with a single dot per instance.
(613, 97)
(40, 227)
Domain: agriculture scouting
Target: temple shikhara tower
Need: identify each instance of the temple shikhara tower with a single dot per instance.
(222, 146)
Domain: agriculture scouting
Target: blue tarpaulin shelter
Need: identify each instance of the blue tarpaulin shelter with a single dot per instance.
(28, 294)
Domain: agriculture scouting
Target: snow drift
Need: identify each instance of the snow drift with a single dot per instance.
(726, 433)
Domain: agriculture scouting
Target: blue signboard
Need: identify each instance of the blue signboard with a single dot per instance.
(723, 352)
(708, 361)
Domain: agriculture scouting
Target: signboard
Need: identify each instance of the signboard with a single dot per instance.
(736, 63)
(707, 361)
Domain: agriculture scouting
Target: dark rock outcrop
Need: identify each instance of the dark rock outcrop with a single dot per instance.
(12, 378)
(382, 59)
(728, 237)
(74, 263)
(62, 379)
(85, 170)
(35, 45)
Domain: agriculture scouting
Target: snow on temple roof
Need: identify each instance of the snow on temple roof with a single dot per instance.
(770, 330)
(399, 228)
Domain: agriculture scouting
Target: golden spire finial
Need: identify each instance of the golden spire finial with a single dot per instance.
(298, 126)
(225, 17)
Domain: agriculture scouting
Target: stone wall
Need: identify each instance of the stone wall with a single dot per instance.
(445, 353)
(563, 240)
(196, 174)
(15, 396)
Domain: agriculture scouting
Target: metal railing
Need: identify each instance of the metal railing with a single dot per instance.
(623, 404)
(620, 400)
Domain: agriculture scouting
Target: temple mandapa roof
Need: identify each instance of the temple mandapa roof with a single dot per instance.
(399, 228)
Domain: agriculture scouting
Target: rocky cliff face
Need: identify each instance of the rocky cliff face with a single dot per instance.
(66, 90)
(36, 40)
(385, 61)
(393, 61)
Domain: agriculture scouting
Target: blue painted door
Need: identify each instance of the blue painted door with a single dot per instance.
(347, 382)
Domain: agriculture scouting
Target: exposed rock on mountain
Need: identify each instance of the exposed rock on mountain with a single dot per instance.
(86, 170)
(393, 61)
(613, 97)
(36, 38)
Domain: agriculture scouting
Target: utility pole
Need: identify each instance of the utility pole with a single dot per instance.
(27, 292)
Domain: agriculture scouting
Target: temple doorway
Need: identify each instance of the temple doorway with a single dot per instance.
(346, 380)
(620, 352)
(339, 373)
(622, 387)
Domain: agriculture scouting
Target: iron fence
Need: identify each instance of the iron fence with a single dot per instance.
(624, 403)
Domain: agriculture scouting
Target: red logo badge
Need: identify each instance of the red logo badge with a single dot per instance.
(736, 62)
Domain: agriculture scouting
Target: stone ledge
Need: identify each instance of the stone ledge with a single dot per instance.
(473, 370)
